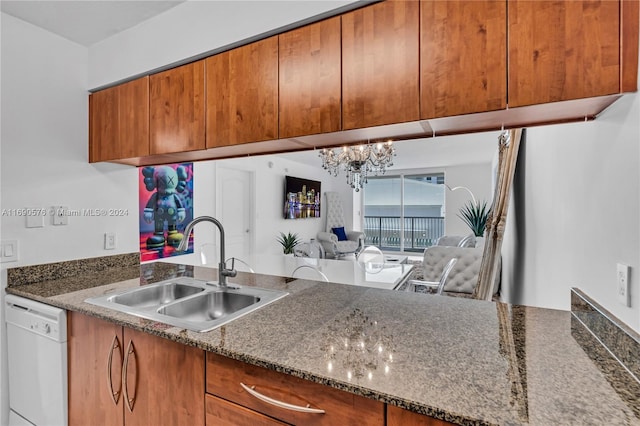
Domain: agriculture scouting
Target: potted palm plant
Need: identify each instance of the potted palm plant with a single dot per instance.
(475, 215)
(288, 242)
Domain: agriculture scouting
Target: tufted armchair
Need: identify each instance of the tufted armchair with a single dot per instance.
(463, 278)
(456, 241)
(332, 244)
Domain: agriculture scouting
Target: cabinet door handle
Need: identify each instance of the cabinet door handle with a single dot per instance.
(115, 345)
(129, 400)
(251, 390)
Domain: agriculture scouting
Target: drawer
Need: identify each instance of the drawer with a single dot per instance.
(224, 378)
(224, 413)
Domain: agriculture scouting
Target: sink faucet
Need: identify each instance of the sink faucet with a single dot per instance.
(223, 272)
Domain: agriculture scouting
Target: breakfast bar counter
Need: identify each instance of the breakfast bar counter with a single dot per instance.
(461, 360)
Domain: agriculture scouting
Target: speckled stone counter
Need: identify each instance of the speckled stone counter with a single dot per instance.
(462, 360)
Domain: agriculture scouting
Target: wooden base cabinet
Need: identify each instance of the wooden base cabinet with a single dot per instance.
(399, 417)
(118, 376)
(94, 357)
(246, 387)
(224, 413)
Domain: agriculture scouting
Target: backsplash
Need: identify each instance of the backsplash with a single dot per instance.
(52, 271)
(619, 339)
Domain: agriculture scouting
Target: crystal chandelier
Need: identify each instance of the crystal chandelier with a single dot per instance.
(358, 161)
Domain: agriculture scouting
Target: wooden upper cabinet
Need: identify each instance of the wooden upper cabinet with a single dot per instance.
(561, 50)
(242, 94)
(310, 79)
(119, 121)
(463, 53)
(380, 66)
(177, 109)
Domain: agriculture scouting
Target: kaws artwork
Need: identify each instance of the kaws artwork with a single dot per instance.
(166, 206)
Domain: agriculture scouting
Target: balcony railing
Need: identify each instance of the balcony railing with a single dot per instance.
(419, 232)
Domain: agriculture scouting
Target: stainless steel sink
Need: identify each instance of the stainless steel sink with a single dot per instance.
(209, 306)
(154, 295)
(188, 303)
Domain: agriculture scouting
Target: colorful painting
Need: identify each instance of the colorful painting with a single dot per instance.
(166, 207)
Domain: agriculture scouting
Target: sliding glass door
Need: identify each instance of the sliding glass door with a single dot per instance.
(404, 213)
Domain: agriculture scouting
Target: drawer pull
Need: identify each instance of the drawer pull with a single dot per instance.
(115, 395)
(125, 377)
(251, 390)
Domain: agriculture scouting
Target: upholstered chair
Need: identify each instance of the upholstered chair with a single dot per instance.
(456, 241)
(463, 278)
(436, 287)
(336, 240)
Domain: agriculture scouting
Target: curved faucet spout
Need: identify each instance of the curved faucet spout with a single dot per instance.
(223, 272)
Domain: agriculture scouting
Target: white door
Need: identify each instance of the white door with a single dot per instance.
(234, 208)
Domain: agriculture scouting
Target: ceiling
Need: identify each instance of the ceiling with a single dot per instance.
(85, 22)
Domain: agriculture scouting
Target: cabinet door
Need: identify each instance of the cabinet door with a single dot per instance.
(164, 381)
(400, 417)
(133, 115)
(560, 50)
(310, 79)
(94, 349)
(103, 125)
(119, 121)
(242, 94)
(177, 109)
(463, 56)
(380, 67)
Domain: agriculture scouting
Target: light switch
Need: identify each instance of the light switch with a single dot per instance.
(36, 221)
(9, 250)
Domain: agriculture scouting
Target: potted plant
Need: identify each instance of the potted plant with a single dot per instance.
(288, 242)
(475, 215)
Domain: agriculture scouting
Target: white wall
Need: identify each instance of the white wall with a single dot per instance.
(579, 210)
(44, 147)
(44, 155)
(190, 29)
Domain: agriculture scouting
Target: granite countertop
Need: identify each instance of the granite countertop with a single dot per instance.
(461, 360)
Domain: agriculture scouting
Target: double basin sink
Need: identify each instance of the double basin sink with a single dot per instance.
(188, 303)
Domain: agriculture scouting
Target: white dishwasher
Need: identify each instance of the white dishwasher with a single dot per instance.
(37, 347)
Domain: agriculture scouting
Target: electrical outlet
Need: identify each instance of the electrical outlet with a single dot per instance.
(60, 216)
(622, 284)
(109, 241)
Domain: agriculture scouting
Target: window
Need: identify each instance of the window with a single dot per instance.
(404, 213)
